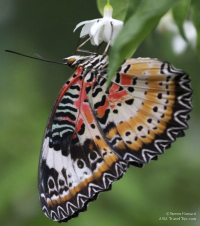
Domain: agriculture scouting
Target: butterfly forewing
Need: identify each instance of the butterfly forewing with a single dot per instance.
(95, 132)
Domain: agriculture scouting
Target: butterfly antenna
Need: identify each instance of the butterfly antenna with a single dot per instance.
(35, 58)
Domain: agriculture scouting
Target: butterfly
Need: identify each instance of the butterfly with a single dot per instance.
(96, 131)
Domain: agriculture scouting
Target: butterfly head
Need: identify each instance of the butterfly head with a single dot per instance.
(74, 61)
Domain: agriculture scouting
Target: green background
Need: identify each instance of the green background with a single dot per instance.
(28, 89)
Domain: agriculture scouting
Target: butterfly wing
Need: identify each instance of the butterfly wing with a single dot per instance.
(75, 163)
(94, 132)
(144, 110)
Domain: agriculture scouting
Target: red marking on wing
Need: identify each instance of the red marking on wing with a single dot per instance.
(80, 123)
(101, 110)
(117, 96)
(67, 119)
(114, 88)
(125, 80)
(85, 107)
(79, 70)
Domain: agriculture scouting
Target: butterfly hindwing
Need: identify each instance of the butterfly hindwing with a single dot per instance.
(148, 105)
(94, 132)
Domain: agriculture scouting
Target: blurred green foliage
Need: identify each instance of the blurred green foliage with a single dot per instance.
(180, 12)
(28, 89)
(119, 8)
(195, 14)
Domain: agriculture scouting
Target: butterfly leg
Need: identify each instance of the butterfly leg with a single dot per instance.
(111, 34)
(82, 44)
(87, 51)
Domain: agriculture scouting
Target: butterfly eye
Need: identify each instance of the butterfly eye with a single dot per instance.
(70, 61)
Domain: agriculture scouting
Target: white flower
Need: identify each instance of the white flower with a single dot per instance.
(105, 29)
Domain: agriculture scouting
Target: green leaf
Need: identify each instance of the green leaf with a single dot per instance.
(196, 20)
(180, 12)
(119, 8)
(136, 28)
(132, 7)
